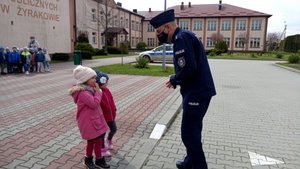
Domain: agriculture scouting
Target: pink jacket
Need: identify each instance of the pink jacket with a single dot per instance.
(90, 119)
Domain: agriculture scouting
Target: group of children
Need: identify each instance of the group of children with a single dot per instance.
(96, 113)
(24, 60)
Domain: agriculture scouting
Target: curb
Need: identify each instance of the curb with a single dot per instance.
(140, 158)
(287, 68)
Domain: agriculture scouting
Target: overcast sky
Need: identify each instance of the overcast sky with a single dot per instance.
(281, 10)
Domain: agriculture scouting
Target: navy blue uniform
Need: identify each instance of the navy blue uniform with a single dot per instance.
(193, 75)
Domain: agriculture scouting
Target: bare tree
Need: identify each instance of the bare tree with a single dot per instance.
(244, 39)
(217, 37)
(273, 41)
(108, 17)
(104, 17)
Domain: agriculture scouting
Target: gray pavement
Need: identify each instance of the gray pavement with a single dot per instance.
(254, 115)
(256, 112)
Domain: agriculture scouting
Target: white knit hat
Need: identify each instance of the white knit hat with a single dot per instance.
(83, 74)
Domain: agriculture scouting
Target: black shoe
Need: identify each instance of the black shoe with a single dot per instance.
(182, 165)
(101, 163)
(88, 162)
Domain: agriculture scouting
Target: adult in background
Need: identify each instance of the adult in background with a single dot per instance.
(33, 43)
(192, 74)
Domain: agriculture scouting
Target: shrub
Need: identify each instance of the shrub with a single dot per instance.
(86, 55)
(253, 55)
(85, 47)
(141, 46)
(82, 37)
(141, 63)
(60, 56)
(212, 53)
(207, 52)
(293, 59)
(221, 46)
(292, 43)
(124, 48)
(100, 52)
(113, 50)
(279, 55)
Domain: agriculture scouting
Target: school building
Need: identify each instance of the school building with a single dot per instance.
(55, 24)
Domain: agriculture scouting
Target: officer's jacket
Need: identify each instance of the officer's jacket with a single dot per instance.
(192, 71)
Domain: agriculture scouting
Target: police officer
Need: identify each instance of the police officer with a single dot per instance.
(193, 75)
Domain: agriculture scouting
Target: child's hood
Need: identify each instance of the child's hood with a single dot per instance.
(74, 91)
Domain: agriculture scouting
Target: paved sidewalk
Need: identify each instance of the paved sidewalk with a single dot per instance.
(256, 112)
(38, 127)
(253, 122)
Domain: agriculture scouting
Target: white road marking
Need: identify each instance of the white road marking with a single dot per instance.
(257, 159)
(158, 131)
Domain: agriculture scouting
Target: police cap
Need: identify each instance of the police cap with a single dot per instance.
(163, 18)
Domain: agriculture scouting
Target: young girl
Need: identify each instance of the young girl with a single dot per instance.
(90, 119)
(109, 111)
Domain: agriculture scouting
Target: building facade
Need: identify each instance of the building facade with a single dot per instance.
(242, 29)
(105, 18)
(48, 21)
(55, 24)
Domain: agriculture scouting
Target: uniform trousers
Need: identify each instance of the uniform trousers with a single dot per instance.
(194, 111)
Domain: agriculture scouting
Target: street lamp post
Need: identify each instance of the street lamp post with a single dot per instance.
(164, 46)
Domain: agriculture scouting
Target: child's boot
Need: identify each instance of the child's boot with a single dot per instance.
(101, 163)
(109, 144)
(105, 152)
(88, 162)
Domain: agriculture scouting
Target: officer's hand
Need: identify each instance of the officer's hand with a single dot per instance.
(169, 85)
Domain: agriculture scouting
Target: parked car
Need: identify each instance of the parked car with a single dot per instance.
(156, 54)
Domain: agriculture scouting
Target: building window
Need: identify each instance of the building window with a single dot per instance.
(239, 42)
(132, 41)
(212, 25)
(132, 25)
(256, 25)
(227, 41)
(209, 42)
(137, 41)
(150, 42)
(122, 23)
(126, 23)
(226, 25)
(184, 24)
(137, 26)
(254, 42)
(103, 40)
(197, 25)
(117, 22)
(241, 25)
(150, 28)
(200, 38)
(94, 37)
(102, 18)
(94, 15)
